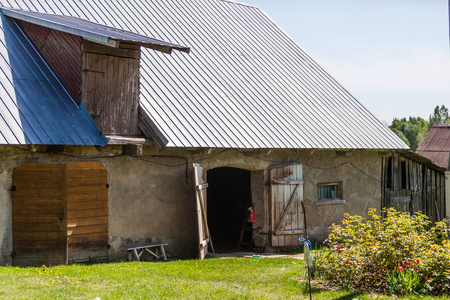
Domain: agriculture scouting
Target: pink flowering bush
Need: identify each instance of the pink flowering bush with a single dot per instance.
(398, 253)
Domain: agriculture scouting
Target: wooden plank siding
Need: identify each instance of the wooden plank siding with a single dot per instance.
(60, 213)
(87, 206)
(287, 217)
(110, 87)
(39, 209)
(403, 178)
(66, 62)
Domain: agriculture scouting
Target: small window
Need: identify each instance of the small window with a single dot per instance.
(329, 191)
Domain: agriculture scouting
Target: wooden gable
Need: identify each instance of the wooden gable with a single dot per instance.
(102, 78)
(66, 62)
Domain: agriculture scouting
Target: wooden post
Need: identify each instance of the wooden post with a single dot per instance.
(447, 196)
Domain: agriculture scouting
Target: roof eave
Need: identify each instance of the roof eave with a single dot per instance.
(421, 159)
(94, 37)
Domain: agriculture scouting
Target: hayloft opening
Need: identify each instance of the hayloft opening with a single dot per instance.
(229, 197)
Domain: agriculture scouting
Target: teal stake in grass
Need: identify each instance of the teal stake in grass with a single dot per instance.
(307, 258)
(307, 248)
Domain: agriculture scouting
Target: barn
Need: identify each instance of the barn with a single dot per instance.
(128, 123)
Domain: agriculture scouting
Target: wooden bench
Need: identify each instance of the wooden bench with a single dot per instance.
(138, 251)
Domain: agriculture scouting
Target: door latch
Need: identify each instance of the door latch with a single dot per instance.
(61, 215)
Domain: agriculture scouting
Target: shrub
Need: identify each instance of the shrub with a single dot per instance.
(397, 253)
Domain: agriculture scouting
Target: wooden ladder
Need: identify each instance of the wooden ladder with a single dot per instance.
(246, 227)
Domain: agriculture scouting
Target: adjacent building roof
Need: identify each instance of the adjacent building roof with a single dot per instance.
(436, 145)
(34, 106)
(245, 84)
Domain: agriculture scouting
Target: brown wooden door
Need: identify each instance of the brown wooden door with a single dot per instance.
(202, 225)
(287, 216)
(60, 213)
(87, 206)
(39, 214)
(110, 88)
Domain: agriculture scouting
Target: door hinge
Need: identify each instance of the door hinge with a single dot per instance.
(13, 188)
(94, 71)
(107, 185)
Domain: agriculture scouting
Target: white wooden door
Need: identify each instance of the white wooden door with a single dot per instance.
(287, 215)
(202, 224)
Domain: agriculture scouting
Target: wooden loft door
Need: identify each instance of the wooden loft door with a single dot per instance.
(60, 213)
(110, 87)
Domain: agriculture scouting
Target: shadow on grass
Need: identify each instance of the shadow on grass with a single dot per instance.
(349, 296)
(319, 290)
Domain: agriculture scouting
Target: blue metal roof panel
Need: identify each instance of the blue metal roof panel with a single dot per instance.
(245, 84)
(34, 107)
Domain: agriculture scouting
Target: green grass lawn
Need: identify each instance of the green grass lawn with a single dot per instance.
(233, 278)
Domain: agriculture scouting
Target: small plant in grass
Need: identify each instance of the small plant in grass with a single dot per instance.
(396, 253)
(406, 281)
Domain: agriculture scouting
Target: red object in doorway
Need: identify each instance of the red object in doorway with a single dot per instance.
(251, 215)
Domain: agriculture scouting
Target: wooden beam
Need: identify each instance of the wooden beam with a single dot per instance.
(293, 182)
(93, 47)
(127, 140)
(285, 232)
(401, 199)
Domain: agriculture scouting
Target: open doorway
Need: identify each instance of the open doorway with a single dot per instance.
(229, 197)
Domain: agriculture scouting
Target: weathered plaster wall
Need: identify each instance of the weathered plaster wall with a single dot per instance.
(152, 199)
(147, 202)
(359, 172)
(151, 203)
(360, 191)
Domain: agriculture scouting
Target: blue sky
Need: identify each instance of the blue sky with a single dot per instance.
(392, 55)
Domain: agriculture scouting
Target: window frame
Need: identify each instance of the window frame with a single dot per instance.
(325, 201)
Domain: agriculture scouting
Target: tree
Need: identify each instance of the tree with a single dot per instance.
(439, 116)
(412, 130)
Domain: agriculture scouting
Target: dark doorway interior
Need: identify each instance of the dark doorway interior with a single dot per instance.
(229, 197)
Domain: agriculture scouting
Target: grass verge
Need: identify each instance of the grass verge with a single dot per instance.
(233, 278)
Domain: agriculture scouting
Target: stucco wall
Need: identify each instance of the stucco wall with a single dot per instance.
(151, 198)
(360, 191)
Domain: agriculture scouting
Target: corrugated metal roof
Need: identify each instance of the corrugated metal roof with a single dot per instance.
(436, 145)
(245, 84)
(34, 107)
(90, 30)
